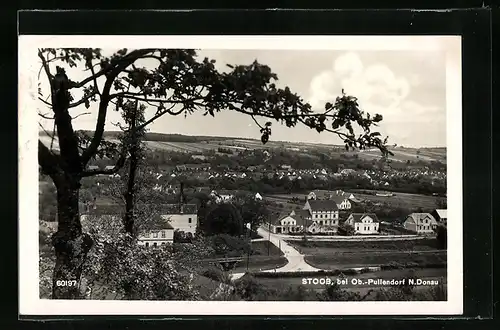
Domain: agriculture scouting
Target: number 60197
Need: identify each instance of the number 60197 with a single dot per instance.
(66, 283)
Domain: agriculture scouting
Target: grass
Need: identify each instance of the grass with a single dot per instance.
(260, 263)
(366, 259)
(328, 247)
(265, 248)
(402, 200)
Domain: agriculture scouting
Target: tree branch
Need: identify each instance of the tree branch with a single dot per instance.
(123, 63)
(119, 164)
(45, 65)
(45, 102)
(134, 96)
(81, 114)
(72, 105)
(129, 58)
(48, 161)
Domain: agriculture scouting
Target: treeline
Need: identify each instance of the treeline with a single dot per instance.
(284, 185)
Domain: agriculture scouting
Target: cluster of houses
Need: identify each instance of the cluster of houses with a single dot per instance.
(320, 215)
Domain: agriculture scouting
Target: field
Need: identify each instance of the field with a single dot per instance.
(402, 200)
(265, 248)
(208, 143)
(197, 147)
(330, 247)
(375, 258)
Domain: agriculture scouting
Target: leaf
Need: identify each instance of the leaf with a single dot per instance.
(264, 138)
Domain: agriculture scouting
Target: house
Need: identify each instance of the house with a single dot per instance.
(441, 216)
(108, 219)
(420, 223)
(286, 223)
(363, 223)
(182, 217)
(322, 216)
(156, 234)
(93, 167)
(341, 198)
(222, 196)
(286, 167)
(258, 197)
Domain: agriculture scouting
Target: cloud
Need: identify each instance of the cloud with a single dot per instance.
(379, 90)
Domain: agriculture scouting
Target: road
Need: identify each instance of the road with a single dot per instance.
(296, 262)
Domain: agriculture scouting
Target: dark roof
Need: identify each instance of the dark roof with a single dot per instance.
(158, 223)
(358, 216)
(102, 209)
(323, 205)
(178, 209)
(418, 217)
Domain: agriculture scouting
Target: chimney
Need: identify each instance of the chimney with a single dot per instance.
(182, 198)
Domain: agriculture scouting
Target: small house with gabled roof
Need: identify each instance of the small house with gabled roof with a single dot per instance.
(420, 223)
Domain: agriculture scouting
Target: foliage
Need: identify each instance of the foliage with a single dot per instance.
(180, 84)
(228, 245)
(223, 219)
(47, 202)
(252, 211)
(217, 273)
(441, 237)
(345, 230)
(120, 266)
(183, 237)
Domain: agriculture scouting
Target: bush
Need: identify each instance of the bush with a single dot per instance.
(217, 274)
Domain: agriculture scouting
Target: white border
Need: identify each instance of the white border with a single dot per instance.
(29, 302)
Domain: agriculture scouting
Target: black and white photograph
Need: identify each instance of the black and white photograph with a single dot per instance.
(240, 170)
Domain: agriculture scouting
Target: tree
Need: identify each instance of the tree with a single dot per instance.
(224, 219)
(178, 84)
(441, 237)
(252, 211)
(133, 115)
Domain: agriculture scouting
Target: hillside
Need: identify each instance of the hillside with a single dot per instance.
(200, 144)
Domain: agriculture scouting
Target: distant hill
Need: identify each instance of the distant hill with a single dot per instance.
(199, 144)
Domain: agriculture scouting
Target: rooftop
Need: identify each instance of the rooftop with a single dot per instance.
(323, 205)
(359, 216)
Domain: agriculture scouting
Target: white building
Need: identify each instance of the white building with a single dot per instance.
(363, 223)
(222, 196)
(322, 216)
(420, 223)
(181, 217)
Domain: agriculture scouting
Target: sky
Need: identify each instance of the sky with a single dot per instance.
(407, 87)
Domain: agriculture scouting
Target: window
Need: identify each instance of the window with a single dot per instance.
(316, 216)
(154, 244)
(155, 235)
(321, 216)
(189, 220)
(163, 234)
(147, 244)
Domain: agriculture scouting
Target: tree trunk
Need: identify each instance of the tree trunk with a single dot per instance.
(70, 244)
(128, 220)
